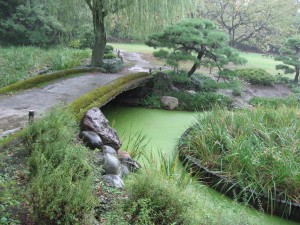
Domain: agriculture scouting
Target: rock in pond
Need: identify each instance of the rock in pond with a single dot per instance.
(168, 102)
(94, 120)
(114, 181)
(111, 165)
(91, 139)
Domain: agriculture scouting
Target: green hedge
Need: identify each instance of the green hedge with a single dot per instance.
(255, 76)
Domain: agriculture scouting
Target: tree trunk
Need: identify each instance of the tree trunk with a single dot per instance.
(100, 38)
(297, 75)
(195, 66)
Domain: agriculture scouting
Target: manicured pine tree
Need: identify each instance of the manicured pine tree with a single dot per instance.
(194, 40)
(290, 56)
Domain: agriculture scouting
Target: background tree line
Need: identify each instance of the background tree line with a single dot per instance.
(249, 23)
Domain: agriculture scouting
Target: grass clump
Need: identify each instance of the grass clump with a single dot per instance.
(61, 179)
(20, 63)
(257, 149)
(255, 76)
(201, 101)
(292, 101)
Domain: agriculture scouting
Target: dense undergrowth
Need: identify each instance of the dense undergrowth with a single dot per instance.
(61, 177)
(257, 148)
(20, 63)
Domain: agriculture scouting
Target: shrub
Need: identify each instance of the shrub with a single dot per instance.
(75, 44)
(151, 101)
(61, 177)
(108, 49)
(255, 76)
(204, 83)
(153, 200)
(200, 101)
(112, 65)
(109, 56)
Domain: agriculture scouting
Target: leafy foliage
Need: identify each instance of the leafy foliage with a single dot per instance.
(255, 76)
(30, 25)
(190, 37)
(290, 58)
(61, 177)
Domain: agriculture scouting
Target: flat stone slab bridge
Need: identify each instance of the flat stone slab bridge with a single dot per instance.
(14, 109)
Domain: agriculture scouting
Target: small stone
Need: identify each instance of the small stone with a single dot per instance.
(109, 150)
(114, 181)
(168, 102)
(91, 139)
(111, 165)
(124, 170)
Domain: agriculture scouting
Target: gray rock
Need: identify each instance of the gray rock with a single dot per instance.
(131, 164)
(111, 165)
(91, 139)
(94, 120)
(124, 170)
(168, 102)
(114, 181)
(109, 150)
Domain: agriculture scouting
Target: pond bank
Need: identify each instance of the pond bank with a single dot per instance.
(164, 129)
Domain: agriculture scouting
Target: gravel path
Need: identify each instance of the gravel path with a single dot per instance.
(14, 108)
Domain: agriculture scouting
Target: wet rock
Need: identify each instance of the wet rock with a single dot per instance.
(109, 150)
(122, 154)
(168, 102)
(111, 165)
(94, 120)
(124, 170)
(131, 164)
(114, 181)
(91, 139)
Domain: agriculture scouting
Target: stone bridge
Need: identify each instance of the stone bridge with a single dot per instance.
(14, 108)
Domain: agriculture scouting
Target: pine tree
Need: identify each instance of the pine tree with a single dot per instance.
(290, 56)
(194, 36)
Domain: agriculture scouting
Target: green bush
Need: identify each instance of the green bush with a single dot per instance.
(151, 101)
(200, 101)
(61, 186)
(112, 65)
(255, 76)
(204, 83)
(108, 49)
(153, 200)
(109, 56)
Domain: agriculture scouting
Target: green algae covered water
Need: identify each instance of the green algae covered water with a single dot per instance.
(163, 129)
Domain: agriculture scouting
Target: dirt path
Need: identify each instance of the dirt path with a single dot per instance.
(14, 108)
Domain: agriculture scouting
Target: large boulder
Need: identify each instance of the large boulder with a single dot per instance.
(111, 165)
(168, 102)
(91, 139)
(94, 120)
(114, 181)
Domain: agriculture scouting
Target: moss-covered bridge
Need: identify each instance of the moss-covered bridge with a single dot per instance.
(87, 89)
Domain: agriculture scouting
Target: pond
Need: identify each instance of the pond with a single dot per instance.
(164, 128)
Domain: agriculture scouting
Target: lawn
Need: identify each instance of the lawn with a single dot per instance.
(254, 60)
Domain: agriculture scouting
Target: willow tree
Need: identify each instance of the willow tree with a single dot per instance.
(100, 9)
